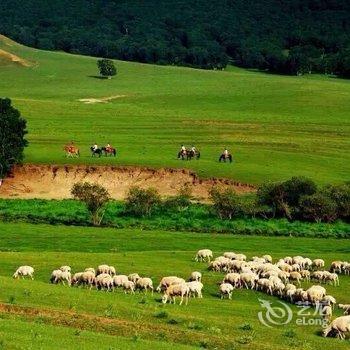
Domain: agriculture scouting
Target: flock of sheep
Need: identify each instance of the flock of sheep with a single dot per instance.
(281, 279)
(105, 278)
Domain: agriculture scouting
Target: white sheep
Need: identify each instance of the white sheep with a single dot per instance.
(195, 288)
(338, 327)
(182, 290)
(226, 289)
(295, 276)
(76, 278)
(90, 269)
(234, 278)
(267, 258)
(336, 266)
(119, 280)
(195, 276)
(144, 283)
(345, 307)
(88, 278)
(167, 281)
(248, 279)
(332, 278)
(24, 271)
(329, 300)
(204, 255)
(104, 281)
(65, 268)
(316, 294)
(133, 277)
(58, 276)
(327, 312)
(318, 263)
(129, 286)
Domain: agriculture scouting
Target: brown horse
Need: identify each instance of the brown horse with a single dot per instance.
(71, 151)
(109, 151)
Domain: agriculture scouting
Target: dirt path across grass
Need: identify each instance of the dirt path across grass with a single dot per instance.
(55, 182)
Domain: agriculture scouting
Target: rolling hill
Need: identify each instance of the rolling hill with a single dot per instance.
(276, 126)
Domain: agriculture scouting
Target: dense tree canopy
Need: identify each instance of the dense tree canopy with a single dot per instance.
(284, 36)
(12, 132)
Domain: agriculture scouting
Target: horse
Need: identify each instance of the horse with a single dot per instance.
(71, 151)
(223, 157)
(96, 152)
(188, 154)
(109, 151)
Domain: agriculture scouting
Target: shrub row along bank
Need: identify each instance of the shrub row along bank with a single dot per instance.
(195, 218)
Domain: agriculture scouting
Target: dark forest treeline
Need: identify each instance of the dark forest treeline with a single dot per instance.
(282, 36)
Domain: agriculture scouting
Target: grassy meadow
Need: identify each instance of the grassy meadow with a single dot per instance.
(276, 126)
(34, 312)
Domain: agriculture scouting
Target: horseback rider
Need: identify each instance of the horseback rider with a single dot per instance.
(226, 153)
(108, 147)
(95, 147)
(183, 149)
(194, 149)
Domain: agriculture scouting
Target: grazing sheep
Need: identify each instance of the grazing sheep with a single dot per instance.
(65, 268)
(167, 281)
(233, 278)
(129, 286)
(318, 263)
(230, 255)
(248, 279)
(346, 308)
(327, 312)
(58, 276)
(182, 290)
(24, 271)
(295, 276)
(76, 278)
(102, 269)
(338, 327)
(104, 281)
(133, 277)
(55, 276)
(305, 274)
(241, 257)
(288, 260)
(204, 255)
(111, 271)
(195, 288)
(226, 289)
(316, 294)
(119, 280)
(267, 258)
(90, 269)
(329, 300)
(88, 278)
(145, 284)
(336, 266)
(332, 278)
(196, 276)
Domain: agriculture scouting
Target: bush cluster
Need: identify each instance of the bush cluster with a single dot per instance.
(294, 199)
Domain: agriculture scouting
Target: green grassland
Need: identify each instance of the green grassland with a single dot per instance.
(276, 126)
(35, 312)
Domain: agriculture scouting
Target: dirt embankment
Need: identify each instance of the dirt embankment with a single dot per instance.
(55, 182)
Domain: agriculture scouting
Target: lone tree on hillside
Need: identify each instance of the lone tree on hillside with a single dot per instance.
(12, 132)
(107, 68)
(95, 198)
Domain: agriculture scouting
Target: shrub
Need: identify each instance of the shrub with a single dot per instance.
(318, 207)
(95, 198)
(141, 202)
(225, 203)
(284, 197)
(180, 202)
(340, 194)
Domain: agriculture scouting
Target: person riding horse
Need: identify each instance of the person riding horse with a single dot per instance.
(225, 155)
(109, 150)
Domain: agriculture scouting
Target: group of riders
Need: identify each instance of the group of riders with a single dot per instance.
(96, 151)
(184, 153)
